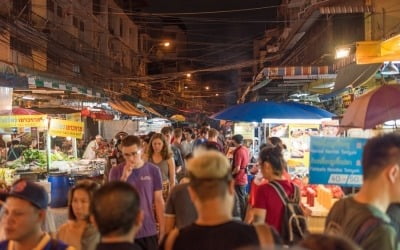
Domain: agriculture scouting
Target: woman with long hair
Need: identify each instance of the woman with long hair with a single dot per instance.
(78, 231)
(160, 154)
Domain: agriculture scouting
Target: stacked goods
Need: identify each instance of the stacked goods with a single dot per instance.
(325, 197)
(310, 196)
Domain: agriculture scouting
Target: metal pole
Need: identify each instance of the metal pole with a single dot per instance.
(74, 148)
(48, 147)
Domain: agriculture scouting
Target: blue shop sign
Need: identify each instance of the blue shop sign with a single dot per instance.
(336, 161)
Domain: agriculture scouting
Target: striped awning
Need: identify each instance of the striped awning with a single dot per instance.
(36, 82)
(355, 75)
(125, 108)
(152, 111)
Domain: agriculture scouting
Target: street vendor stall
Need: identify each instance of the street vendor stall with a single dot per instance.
(22, 158)
(295, 124)
(64, 171)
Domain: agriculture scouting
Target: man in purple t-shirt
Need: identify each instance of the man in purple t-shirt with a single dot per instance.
(146, 178)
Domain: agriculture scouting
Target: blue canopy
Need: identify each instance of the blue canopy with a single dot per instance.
(256, 111)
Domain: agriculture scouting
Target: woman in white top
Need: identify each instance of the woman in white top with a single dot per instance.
(78, 231)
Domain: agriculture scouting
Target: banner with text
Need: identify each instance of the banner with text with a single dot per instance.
(65, 128)
(23, 121)
(245, 129)
(336, 161)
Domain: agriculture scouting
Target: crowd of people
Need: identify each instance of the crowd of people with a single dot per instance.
(174, 190)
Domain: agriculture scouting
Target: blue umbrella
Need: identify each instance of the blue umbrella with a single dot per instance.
(312, 109)
(256, 111)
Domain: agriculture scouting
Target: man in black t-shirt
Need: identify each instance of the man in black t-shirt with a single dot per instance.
(211, 188)
(116, 210)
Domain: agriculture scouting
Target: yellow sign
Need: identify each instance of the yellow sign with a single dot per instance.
(369, 52)
(74, 116)
(245, 129)
(23, 121)
(65, 128)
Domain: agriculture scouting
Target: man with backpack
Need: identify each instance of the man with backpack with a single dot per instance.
(362, 217)
(211, 189)
(278, 202)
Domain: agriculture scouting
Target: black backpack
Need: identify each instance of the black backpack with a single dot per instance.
(294, 223)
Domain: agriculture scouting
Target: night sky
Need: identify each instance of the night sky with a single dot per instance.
(226, 38)
(237, 29)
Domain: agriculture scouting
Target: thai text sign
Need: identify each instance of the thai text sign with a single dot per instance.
(245, 129)
(23, 121)
(336, 161)
(65, 128)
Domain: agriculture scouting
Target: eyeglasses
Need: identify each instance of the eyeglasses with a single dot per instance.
(127, 155)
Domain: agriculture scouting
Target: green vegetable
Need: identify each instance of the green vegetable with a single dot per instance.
(34, 156)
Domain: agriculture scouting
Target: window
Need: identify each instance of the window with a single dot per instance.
(53, 58)
(110, 21)
(20, 46)
(59, 11)
(121, 28)
(96, 7)
(82, 26)
(75, 21)
(50, 5)
(22, 8)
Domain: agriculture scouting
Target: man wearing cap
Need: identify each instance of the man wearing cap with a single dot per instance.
(92, 147)
(239, 163)
(24, 214)
(211, 189)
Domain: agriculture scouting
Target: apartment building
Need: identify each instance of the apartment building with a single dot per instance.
(301, 48)
(89, 43)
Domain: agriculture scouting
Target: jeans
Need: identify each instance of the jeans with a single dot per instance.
(242, 199)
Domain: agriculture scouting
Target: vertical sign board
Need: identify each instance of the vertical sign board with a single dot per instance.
(336, 161)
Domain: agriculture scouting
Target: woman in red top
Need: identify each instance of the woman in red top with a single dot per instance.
(268, 206)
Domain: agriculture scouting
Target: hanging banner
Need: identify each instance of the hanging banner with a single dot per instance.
(23, 121)
(245, 129)
(336, 161)
(65, 128)
(299, 143)
(74, 117)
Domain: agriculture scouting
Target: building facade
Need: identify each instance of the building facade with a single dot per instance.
(90, 43)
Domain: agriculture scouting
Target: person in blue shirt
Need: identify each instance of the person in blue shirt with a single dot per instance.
(203, 137)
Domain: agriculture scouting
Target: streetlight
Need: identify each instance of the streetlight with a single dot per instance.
(217, 94)
(342, 52)
(188, 75)
(165, 44)
(207, 88)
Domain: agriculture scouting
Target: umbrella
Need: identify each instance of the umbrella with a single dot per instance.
(373, 108)
(256, 111)
(178, 118)
(20, 111)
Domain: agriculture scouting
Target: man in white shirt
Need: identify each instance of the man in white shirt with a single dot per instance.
(92, 147)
